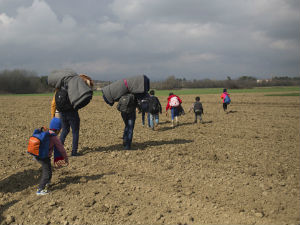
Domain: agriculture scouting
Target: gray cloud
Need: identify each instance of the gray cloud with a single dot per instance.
(112, 39)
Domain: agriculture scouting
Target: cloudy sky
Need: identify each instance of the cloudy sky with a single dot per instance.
(192, 39)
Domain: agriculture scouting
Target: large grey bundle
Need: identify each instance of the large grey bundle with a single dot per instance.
(78, 90)
(136, 85)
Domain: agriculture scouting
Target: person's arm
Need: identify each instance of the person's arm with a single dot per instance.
(192, 107)
(168, 106)
(59, 146)
(159, 105)
(53, 106)
(180, 101)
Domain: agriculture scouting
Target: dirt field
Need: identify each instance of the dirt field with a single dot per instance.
(236, 168)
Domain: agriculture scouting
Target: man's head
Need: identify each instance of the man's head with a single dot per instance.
(152, 92)
(197, 99)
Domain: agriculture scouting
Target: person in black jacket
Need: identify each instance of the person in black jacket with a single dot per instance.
(198, 109)
(154, 109)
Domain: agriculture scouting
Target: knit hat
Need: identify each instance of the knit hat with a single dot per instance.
(55, 124)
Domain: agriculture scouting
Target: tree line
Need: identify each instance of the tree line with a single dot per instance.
(242, 82)
(22, 82)
(27, 82)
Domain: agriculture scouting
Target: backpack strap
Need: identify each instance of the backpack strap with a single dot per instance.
(126, 84)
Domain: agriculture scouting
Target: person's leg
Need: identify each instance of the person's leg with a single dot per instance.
(195, 121)
(46, 172)
(151, 120)
(125, 133)
(224, 106)
(148, 118)
(131, 122)
(200, 117)
(143, 118)
(172, 116)
(65, 125)
(75, 125)
(176, 114)
(156, 117)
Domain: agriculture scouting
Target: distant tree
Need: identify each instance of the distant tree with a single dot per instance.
(247, 78)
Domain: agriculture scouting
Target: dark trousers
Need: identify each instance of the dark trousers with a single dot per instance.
(198, 114)
(224, 106)
(69, 120)
(46, 172)
(129, 121)
(143, 118)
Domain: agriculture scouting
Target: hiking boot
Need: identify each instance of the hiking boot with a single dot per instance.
(127, 147)
(42, 192)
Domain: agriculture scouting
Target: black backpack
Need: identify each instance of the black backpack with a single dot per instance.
(62, 100)
(198, 107)
(144, 105)
(126, 103)
(153, 105)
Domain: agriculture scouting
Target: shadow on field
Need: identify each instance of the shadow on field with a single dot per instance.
(5, 207)
(231, 111)
(65, 181)
(135, 146)
(205, 122)
(182, 124)
(20, 181)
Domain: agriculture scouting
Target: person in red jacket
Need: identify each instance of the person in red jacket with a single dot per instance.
(173, 103)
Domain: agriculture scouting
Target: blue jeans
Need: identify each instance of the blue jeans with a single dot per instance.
(143, 118)
(70, 119)
(153, 117)
(174, 112)
(129, 121)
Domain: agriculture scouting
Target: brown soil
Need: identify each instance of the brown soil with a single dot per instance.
(235, 168)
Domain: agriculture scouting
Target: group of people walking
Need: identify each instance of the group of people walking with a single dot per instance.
(67, 118)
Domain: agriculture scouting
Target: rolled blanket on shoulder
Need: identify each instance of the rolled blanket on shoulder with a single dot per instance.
(136, 85)
(79, 92)
(59, 78)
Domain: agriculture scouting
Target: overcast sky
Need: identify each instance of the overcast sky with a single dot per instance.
(192, 39)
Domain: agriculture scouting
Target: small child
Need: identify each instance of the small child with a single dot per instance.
(154, 110)
(54, 129)
(223, 96)
(174, 104)
(198, 109)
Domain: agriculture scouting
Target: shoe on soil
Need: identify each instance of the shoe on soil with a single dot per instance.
(127, 147)
(42, 192)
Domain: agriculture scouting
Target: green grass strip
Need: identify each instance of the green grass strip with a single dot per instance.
(287, 94)
(202, 91)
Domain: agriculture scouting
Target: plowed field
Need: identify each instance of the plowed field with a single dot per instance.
(235, 168)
